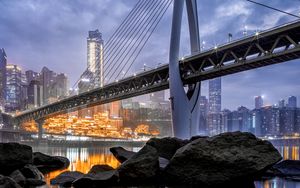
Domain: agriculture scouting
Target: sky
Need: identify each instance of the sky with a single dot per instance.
(38, 33)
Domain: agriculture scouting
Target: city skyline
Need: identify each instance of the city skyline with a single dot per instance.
(63, 42)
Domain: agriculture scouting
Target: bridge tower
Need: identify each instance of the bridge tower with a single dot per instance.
(185, 105)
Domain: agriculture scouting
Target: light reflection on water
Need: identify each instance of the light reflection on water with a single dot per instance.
(82, 159)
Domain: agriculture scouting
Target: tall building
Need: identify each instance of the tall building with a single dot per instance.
(214, 118)
(292, 102)
(47, 79)
(258, 102)
(203, 115)
(281, 103)
(95, 57)
(35, 94)
(31, 75)
(3, 63)
(13, 88)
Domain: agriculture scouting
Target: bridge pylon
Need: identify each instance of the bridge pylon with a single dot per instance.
(185, 105)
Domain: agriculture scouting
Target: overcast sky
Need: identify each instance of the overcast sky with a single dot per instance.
(37, 33)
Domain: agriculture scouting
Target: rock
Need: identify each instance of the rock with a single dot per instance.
(99, 179)
(14, 156)
(228, 157)
(121, 154)
(166, 147)
(33, 176)
(140, 168)
(7, 182)
(46, 163)
(197, 137)
(65, 179)
(100, 168)
(18, 177)
(287, 168)
(163, 162)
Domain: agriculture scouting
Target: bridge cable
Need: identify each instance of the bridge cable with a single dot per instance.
(143, 28)
(150, 31)
(276, 9)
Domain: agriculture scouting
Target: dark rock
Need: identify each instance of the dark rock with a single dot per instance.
(287, 168)
(7, 182)
(14, 156)
(46, 163)
(100, 168)
(228, 157)
(99, 179)
(141, 168)
(197, 137)
(163, 162)
(166, 147)
(65, 179)
(18, 177)
(34, 182)
(121, 154)
(30, 171)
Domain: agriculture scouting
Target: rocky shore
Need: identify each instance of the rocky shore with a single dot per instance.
(233, 159)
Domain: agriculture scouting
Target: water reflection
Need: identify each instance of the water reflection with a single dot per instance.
(83, 158)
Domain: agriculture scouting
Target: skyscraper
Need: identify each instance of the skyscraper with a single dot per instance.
(3, 63)
(13, 88)
(95, 57)
(203, 115)
(258, 102)
(281, 103)
(292, 102)
(214, 116)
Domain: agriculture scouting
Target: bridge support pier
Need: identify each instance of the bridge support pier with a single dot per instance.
(40, 123)
(185, 105)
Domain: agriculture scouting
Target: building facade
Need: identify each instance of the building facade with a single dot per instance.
(3, 79)
(13, 88)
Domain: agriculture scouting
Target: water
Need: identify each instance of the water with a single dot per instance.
(83, 158)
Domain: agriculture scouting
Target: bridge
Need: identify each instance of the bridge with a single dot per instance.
(276, 45)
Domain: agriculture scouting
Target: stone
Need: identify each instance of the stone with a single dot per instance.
(18, 177)
(166, 147)
(99, 179)
(14, 156)
(30, 171)
(46, 163)
(140, 168)
(8, 182)
(65, 179)
(287, 168)
(30, 182)
(100, 168)
(121, 154)
(227, 157)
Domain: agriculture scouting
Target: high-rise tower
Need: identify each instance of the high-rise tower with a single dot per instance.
(3, 78)
(95, 57)
(214, 116)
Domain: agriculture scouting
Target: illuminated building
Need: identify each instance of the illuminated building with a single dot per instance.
(35, 94)
(214, 116)
(13, 88)
(95, 56)
(292, 102)
(3, 62)
(258, 102)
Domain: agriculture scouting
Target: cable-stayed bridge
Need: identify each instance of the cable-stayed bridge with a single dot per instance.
(276, 45)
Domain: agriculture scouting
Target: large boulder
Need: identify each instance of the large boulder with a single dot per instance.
(166, 147)
(99, 179)
(18, 177)
(100, 168)
(140, 168)
(33, 176)
(7, 182)
(47, 163)
(65, 179)
(287, 168)
(228, 157)
(121, 154)
(14, 156)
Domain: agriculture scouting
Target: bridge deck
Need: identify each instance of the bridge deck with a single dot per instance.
(272, 46)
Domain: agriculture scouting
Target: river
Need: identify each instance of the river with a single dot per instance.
(83, 158)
